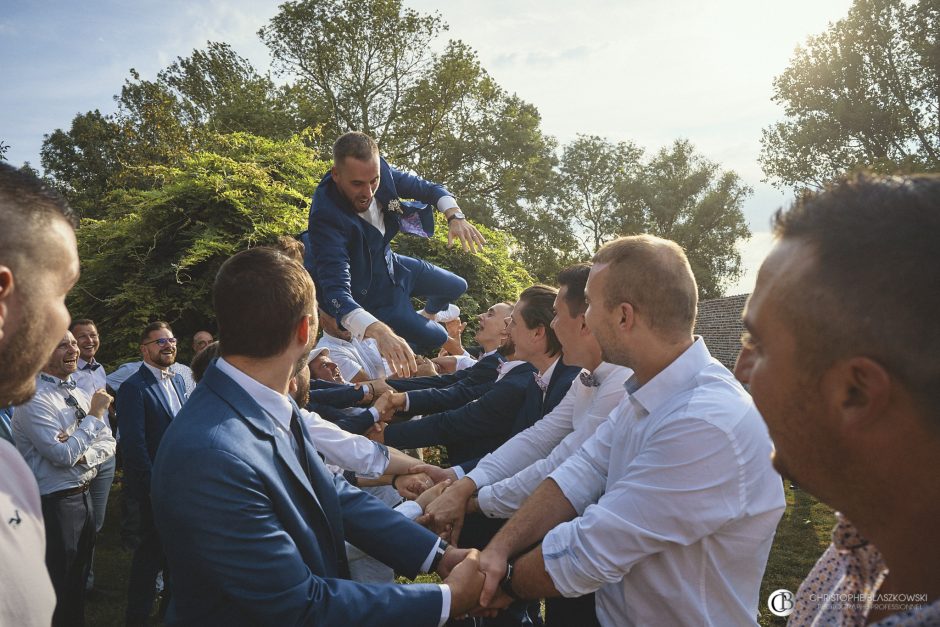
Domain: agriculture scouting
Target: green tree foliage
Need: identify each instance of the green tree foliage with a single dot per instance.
(680, 195)
(155, 251)
(866, 93)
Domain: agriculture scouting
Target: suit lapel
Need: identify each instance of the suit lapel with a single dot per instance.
(156, 389)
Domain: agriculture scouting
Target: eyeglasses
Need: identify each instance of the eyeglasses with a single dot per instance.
(72, 402)
(161, 341)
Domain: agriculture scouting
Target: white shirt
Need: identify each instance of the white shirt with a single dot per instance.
(166, 386)
(279, 408)
(464, 361)
(36, 425)
(120, 375)
(678, 503)
(89, 380)
(26, 596)
(507, 476)
(358, 320)
(344, 449)
(351, 357)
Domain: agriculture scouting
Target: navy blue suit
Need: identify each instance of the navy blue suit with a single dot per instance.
(484, 371)
(335, 394)
(143, 417)
(353, 266)
(354, 419)
(252, 539)
(474, 429)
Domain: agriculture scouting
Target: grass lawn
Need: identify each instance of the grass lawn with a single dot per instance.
(802, 536)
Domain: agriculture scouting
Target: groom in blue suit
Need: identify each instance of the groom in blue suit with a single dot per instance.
(356, 211)
(254, 525)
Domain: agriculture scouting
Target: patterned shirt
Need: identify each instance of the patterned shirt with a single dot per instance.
(843, 587)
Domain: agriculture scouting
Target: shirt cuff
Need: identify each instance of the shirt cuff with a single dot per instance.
(357, 321)
(445, 608)
(484, 497)
(479, 476)
(409, 509)
(92, 425)
(375, 414)
(426, 566)
(407, 402)
(459, 472)
(446, 202)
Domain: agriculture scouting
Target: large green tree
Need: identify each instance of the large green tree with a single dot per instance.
(680, 195)
(865, 93)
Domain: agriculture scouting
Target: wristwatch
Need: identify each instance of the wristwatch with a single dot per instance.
(457, 215)
(506, 584)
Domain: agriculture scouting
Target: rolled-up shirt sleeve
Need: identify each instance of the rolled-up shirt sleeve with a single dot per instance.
(688, 466)
(348, 451)
(357, 321)
(102, 449)
(40, 422)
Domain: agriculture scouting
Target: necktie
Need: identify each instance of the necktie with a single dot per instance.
(589, 380)
(542, 383)
(300, 448)
(91, 366)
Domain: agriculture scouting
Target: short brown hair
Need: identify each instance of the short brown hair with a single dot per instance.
(154, 326)
(291, 247)
(873, 286)
(575, 278)
(80, 322)
(654, 276)
(539, 311)
(202, 359)
(356, 145)
(260, 295)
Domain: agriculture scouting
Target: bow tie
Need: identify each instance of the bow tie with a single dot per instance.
(589, 380)
(166, 374)
(68, 384)
(91, 366)
(542, 383)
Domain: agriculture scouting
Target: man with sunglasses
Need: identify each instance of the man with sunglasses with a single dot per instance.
(146, 404)
(64, 437)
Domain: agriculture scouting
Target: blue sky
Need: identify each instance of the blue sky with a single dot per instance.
(649, 71)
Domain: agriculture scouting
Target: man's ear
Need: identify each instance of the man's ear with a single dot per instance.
(304, 329)
(627, 316)
(858, 391)
(6, 294)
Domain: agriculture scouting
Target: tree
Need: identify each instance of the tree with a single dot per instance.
(866, 93)
(682, 196)
(4, 147)
(591, 170)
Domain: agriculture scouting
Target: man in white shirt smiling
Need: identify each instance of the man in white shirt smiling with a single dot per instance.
(668, 512)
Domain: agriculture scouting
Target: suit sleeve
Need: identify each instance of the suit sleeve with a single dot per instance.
(357, 422)
(339, 396)
(453, 397)
(411, 186)
(329, 241)
(490, 415)
(238, 542)
(423, 383)
(132, 429)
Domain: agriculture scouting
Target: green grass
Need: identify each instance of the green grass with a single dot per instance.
(802, 536)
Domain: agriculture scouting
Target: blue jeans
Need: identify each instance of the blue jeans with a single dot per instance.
(99, 490)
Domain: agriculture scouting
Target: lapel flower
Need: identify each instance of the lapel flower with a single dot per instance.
(394, 206)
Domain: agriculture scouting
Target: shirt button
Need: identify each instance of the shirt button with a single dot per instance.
(365, 291)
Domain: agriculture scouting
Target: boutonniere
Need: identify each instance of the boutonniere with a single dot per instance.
(394, 206)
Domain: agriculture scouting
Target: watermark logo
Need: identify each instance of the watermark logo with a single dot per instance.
(781, 602)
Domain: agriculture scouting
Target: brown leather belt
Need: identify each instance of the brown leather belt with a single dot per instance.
(69, 491)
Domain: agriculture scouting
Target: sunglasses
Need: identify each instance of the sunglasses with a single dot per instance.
(162, 341)
(72, 402)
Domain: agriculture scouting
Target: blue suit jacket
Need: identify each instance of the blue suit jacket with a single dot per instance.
(252, 540)
(335, 394)
(143, 417)
(484, 371)
(341, 260)
(474, 429)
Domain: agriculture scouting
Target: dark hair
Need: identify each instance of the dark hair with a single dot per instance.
(260, 295)
(874, 288)
(575, 278)
(539, 311)
(81, 322)
(27, 208)
(202, 359)
(654, 276)
(153, 326)
(356, 145)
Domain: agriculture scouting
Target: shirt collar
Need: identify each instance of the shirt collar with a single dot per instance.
(277, 405)
(48, 379)
(604, 370)
(547, 375)
(82, 363)
(157, 372)
(673, 379)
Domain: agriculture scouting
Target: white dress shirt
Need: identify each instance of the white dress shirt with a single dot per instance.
(344, 449)
(507, 476)
(358, 320)
(279, 408)
(678, 503)
(36, 426)
(90, 380)
(353, 356)
(166, 386)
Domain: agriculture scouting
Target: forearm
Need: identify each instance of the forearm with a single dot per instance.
(530, 579)
(399, 463)
(546, 508)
